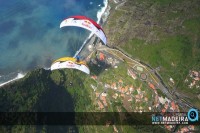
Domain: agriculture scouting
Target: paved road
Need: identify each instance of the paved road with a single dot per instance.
(153, 75)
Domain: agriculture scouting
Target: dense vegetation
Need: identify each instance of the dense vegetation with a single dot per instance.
(40, 92)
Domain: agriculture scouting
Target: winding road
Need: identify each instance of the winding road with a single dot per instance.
(153, 75)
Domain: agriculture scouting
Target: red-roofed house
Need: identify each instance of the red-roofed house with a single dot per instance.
(151, 86)
(173, 106)
(101, 56)
(163, 110)
(94, 77)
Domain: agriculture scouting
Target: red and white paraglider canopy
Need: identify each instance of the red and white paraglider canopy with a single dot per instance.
(86, 23)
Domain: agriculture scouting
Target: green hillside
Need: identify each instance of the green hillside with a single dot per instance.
(58, 91)
(166, 35)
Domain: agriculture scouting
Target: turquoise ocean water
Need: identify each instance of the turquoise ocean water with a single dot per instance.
(30, 36)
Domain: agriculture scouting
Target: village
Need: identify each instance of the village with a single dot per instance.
(140, 97)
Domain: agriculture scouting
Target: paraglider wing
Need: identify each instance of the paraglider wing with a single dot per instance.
(87, 23)
(68, 62)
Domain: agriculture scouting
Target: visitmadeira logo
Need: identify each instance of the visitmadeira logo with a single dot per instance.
(193, 115)
(173, 118)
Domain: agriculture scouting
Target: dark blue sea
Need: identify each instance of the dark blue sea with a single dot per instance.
(30, 36)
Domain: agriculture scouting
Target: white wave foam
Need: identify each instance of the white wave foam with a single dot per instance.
(101, 11)
(19, 76)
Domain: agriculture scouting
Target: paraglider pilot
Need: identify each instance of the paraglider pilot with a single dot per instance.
(77, 58)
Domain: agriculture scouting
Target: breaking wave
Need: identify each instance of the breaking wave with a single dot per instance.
(19, 76)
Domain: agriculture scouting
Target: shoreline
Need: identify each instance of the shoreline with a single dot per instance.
(91, 37)
(19, 76)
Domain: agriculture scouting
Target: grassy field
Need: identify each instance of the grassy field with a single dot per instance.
(162, 33)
